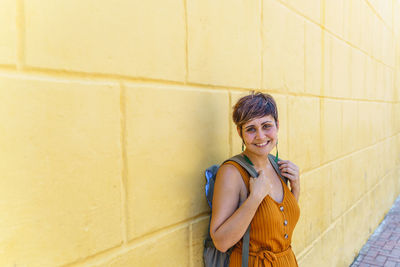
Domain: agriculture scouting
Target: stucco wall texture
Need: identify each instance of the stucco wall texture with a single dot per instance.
(110, 111)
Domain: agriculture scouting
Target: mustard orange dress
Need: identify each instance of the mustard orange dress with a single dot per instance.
(271, 230)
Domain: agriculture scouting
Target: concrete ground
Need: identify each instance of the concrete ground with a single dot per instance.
(383, 246)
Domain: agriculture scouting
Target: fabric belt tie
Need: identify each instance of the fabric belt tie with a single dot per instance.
(268, 257)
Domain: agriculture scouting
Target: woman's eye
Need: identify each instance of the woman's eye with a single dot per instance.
(250, 130)
(267, 126)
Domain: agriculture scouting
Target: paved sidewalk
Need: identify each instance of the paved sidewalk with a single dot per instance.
(383, 246)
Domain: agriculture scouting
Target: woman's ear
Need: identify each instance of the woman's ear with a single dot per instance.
(277, 124)
(239, 130)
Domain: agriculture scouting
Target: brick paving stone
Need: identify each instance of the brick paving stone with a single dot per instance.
(396, 252)
(390, 264)
(385, 235)
(389, 246)
(390, 257)
(394, 237)
(373, 262)
(369, 258)
(373, 252)
(380, 258)
(379, 243)
(383, 246)
(387, 251)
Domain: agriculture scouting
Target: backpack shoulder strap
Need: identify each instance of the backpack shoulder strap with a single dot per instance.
(245, 168)
(239, 159)
(276, 167)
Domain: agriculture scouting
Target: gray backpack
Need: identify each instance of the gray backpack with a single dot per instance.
(212, 256)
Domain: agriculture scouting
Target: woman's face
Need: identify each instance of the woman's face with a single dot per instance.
(260, 135)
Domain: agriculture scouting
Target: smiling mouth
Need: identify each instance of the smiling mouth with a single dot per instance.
(263, 144)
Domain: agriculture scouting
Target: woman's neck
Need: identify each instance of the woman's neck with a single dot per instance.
(258, 161)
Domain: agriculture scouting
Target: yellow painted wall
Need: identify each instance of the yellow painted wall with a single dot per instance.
(111, 110)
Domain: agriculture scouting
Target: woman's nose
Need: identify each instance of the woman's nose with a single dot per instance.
(259, 134)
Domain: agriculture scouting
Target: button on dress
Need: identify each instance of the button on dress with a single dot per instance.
(271, 230)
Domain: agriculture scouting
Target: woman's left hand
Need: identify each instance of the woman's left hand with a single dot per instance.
(291, 171)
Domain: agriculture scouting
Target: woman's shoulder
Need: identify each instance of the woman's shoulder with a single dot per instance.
(231, 172)
(229, 178)
(228, 169)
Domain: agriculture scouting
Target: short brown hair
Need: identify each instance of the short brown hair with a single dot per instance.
(255, 105)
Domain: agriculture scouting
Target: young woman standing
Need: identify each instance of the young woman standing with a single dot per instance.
(266, 203)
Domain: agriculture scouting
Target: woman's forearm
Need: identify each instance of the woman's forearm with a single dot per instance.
(296, 193)
(295, 188)
(233, 229)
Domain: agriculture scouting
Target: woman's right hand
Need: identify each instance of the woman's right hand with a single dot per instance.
(260, 187)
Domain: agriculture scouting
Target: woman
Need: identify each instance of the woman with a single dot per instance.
(265, 202)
